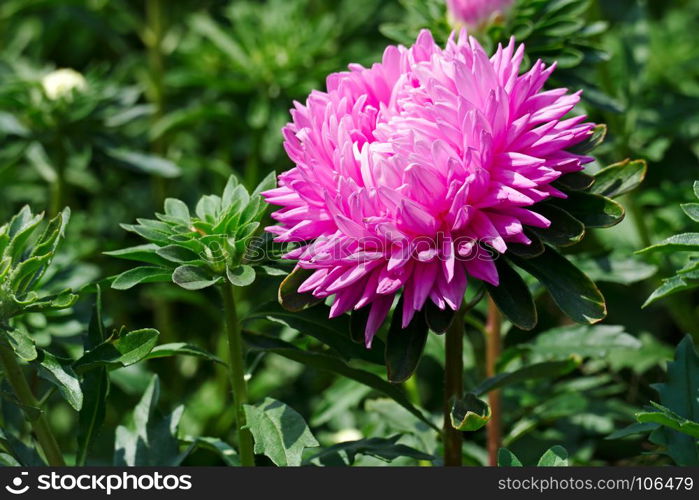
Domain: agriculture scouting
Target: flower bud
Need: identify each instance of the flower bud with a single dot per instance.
(62, 82)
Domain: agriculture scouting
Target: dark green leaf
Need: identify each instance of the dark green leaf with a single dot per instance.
(469, 413)
(575, 181)
(677, 242)
(142, 253)
(279, 432)
(596, 138)
(438, 320)
(290, 298)
(619, 178)
(669, 419)
(565, 230)
(573, 291)
(95, 390)
(182, 349)
(513, 298)
(508, 459)
(592, 210)
(404, 346)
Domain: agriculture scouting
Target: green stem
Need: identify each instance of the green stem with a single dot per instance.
(25, 396)
(453, 388)
(236, 364)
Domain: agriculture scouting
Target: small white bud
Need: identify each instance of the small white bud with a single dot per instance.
(345, 435)
(62, 82)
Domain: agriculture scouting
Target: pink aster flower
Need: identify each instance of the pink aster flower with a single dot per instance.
(475, 13)
(414, 174)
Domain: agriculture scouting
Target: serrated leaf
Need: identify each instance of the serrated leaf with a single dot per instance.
(152, 441)
(570, 288)
(677, 242)
(279, 431)
(119, 351)
(670, 419)
(469, 413)
(404, 346)
(22, 344)
(679, 394)
(63, 377)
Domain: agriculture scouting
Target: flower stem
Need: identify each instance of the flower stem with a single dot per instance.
(493, 328)
(453, 388)
(25, 396)
(236, 365)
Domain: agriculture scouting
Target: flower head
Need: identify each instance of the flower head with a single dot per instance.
(474, 13)
(62, 82)
(416, 173)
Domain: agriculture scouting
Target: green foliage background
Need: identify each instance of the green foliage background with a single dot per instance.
(183, 94)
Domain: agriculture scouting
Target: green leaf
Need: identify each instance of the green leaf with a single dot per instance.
(596, 137)
(592, 210)
(575, 181)
(290, 298)
(177, 254)
(138, 275)
(534, 249)
(404, 346)
(513, 297)
(670, 286)
(570, 288)
(145, 163)
(333, 333)
(677, 242)
(269, 182)
(692, 210)
(334, 365)
(177, 209)
(222, 449)
(357, 328)
(63, 377)
(142, 253)
(556, 456)
(680, 395)
(152, 440)
(95, 391)
(619, 178)
(508, 459)
(669, 419)
(385, 449)
(182, 349)
(565, 230)
(120, 350)
(279, 432)
(438, 320)
(241, 276)
(469, 413)
(631, 430)
(194, 278)
(22, 344)
(595, 341)
(547, 369)
(615, 267)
